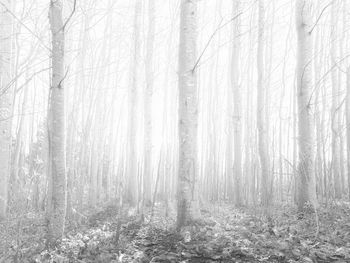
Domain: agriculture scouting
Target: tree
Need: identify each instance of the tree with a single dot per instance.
(237, 117)
(147, 169)
(187, 206)
(335, 108)
(6, 102)
(348, 123)
(57, 197)
(261, 121)
(306, 175)
(132, 120)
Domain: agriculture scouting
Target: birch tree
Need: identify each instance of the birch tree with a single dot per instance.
(187, 207)
(56, 203)
(147, 172)
(237, 117)
(132, 118)
(230, 175)
(335, 105)
(306, 170)
(261, 121)
(6, 102)
(348, 124)
(229, 145)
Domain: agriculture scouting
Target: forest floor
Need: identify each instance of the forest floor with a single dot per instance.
(226, 234)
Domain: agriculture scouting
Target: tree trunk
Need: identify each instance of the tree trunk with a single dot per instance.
(261, 121)
(6, 101)
(188, 116)
(93, 174)
(229, 139)
(317, 63)
(306, 175)
(237, 115)
(335, 110)
(348, 124)
(131, 194)
(147, 166)
(15, 186)
(56, 205)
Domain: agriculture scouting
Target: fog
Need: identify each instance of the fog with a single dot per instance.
(176, 103)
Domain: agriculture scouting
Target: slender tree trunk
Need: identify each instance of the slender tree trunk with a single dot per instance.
(342, 115)
(147, 165)
(249, 155)
(283, 173)
(229, 171)
(317, 62)
(56, 205)
(81, 85)
(15, 186)
(237, 111)
(261, 121)
(229, 144)
(268, 62)
(132, 191)
(93, 174)
(348, 124)
(326, 184)
(6, 103)
(294, 102)
(335, 109)
(306, 176)
(188, 116)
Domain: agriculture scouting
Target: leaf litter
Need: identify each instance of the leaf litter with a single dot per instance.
(226, 234)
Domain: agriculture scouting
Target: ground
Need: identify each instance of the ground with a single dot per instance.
(225, 234)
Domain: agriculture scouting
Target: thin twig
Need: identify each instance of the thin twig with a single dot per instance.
(71, 15)
(211, 38)
(26, 27)
(325, 75)
(319, 17)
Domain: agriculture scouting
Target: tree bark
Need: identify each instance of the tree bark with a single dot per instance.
(6, 103)
(132, 192)
(56, 205)
(187, 207)
(237, 111)
(334, 109)
(147, 165)
(261, 121)
(306, 174)
(348, 124)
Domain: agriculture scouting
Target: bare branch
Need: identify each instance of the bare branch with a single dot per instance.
(26, 27)
(71, 15)
(319, 17)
